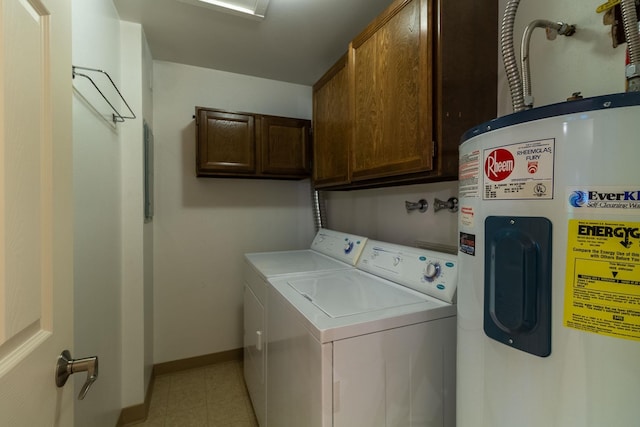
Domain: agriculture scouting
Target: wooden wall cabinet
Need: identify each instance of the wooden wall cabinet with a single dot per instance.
(392, 90)
(246, 145)
(419, 76)
(332, 127)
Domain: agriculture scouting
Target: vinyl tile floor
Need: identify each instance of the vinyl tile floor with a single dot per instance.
(210, 396)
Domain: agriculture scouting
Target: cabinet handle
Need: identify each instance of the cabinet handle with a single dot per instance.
(259, 340)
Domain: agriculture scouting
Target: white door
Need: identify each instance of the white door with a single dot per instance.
(36, 235)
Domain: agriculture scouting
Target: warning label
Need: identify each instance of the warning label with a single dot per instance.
(521, 171)
(467, 214)
(468, 174)
(602, 290)
(468, 243)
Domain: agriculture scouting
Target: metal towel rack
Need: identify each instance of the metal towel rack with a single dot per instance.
(117, 117)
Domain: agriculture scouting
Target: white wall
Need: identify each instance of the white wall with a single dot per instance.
(137, 273)
(585, 63)
(203, 226)
(97, 207)
(381, 214)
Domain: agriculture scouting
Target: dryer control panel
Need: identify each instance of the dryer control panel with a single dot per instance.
(429, 272)
(342, 246)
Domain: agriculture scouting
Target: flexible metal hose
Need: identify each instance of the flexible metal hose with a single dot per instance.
(630, 24)
(560, 28)
(319, 209)
(509, 56)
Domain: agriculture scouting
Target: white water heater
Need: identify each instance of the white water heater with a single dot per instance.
(549, 267)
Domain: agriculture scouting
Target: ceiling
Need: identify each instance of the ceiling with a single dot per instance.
(296, 42)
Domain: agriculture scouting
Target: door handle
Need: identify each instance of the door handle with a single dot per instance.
(65, 366)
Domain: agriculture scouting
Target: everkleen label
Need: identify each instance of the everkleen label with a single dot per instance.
(602, 286)
(522, 171)
(610, 200)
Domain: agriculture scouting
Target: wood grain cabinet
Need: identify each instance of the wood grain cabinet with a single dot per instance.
(246, 145)
(332, 127)
(284, 146)
(419, 76)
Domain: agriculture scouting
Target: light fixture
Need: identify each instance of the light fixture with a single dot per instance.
(255, 9)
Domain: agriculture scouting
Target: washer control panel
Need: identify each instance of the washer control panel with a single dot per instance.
(342, 246)
(429, 272)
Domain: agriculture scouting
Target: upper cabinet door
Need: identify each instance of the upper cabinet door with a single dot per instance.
(284, 146)
(226, 143)
(332, 127)
(246, 145)
(392, 93)
(417, 77)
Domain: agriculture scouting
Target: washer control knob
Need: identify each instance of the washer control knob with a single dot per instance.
(348, 247)
(431, 271)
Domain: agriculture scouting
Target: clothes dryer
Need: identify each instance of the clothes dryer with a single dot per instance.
(330, 251)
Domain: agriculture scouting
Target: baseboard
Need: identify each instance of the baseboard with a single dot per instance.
(138, 413)
(197, 362)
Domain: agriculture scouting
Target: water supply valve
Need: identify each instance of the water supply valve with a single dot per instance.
(421, 206)
(451, 204)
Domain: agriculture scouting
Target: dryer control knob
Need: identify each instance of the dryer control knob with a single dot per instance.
(348, 247)
(431, 271)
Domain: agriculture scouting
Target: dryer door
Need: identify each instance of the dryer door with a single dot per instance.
(254, 353)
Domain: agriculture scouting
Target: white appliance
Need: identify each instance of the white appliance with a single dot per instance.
(330, 250)
(368, 347)
(549, 290)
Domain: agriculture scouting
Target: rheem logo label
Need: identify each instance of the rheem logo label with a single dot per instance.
(499, 164)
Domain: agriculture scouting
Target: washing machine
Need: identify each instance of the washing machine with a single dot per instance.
(371, 346)
(330, 250)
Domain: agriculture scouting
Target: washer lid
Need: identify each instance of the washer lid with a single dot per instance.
(293, 262)
(346, 295)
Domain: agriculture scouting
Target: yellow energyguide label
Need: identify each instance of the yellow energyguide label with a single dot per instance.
(602, 287)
